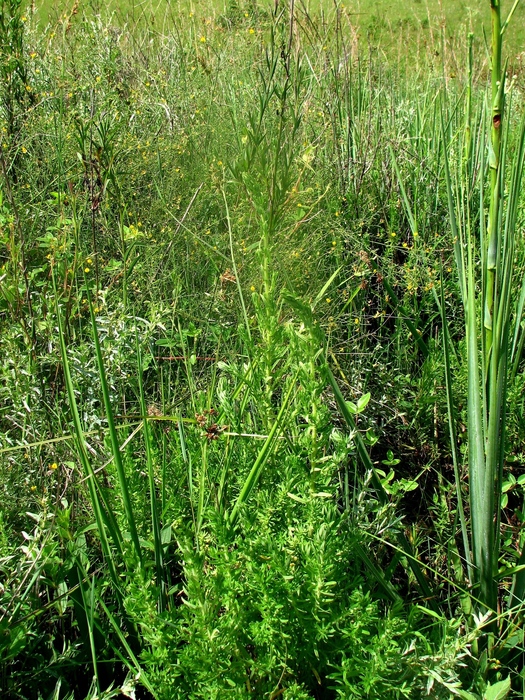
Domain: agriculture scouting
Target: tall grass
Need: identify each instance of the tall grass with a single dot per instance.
(227, 419)
(485, 248)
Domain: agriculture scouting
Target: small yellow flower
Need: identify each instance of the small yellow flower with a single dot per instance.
(53, 466)
(203, 39)
(33, 488)
(356, 321)
(89, 261)
(86, 269)
(24, 149)
(328, 300)
(252, 288)
(393, 234)
(252, 30)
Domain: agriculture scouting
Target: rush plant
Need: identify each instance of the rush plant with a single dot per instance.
(484, 196)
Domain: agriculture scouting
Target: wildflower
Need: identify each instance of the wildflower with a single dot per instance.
(252, 30)
(53, 466)
(328, 300)
(24, 149)
(89, 261)
(252, 288)
(203, 39)
(33, 488)
(356, 321)
(86, 270)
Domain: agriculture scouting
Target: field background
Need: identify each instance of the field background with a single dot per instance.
(385, 23)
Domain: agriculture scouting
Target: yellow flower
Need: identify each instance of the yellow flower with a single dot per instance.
(252, 30)
(53, 466)
(86, 269)
(328, 300)
(24, 149)
(33, 488)
(203, 39)
(252, 288)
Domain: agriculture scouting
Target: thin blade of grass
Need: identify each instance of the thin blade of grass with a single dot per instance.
(115, 446)
(262, 457)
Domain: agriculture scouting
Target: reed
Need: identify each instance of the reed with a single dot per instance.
(485, 257)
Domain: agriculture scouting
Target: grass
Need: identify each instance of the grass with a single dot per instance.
(261, 302)
(427, 23)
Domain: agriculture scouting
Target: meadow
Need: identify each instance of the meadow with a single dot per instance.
(262, 396)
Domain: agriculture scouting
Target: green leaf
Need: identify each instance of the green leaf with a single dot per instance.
(363, 402)
(498, 691)
(467, 696)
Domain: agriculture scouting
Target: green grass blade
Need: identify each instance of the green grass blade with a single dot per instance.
(452, 422)
(155, 521)
(262, 457)
(102, 519)
(115, 446)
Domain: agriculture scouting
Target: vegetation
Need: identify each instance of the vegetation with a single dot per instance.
(262, 283)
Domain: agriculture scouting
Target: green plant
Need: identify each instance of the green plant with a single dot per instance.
(489, 316)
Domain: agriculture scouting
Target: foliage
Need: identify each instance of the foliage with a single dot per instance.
(232, 339)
